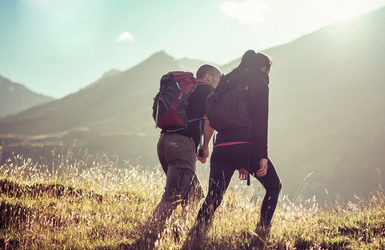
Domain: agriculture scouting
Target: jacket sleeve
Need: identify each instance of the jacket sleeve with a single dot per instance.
(259, 109)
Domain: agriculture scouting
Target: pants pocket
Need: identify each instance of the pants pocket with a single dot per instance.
(185, 181)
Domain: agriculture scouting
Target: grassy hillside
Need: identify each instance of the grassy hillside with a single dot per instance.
(92, 204)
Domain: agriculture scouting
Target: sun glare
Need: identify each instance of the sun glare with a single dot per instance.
(335, 11)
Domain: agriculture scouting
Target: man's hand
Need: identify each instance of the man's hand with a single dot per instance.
(207, 134)
(262, 167)
(205, 151)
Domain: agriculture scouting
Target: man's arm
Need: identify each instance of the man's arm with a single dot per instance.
(207, 134)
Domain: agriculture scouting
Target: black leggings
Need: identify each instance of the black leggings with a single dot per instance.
(224, 161)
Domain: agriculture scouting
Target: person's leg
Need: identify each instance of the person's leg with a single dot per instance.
(156, 223)
(181, 152)
(272, 184)
(195, 192)
(194, 195)
(164, 208)
(224, 161)
(176, 153)
(220, 177)
(177, 184)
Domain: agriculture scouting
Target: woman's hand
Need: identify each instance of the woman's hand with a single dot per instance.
(242, 174)
(262, 167)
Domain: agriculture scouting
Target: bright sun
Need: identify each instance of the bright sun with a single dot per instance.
(342, 9)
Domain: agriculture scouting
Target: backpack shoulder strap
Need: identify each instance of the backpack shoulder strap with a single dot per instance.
(267, 83)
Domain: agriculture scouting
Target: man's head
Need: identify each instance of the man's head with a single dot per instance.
(209, 74)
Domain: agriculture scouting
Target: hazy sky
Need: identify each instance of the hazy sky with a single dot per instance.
(56, 47)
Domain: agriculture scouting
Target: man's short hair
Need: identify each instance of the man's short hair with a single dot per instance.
(205, 69)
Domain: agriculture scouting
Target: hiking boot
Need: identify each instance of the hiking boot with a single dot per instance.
(259, 241)
(194, 238)
(262, 230)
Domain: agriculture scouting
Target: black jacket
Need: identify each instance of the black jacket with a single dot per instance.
(258, 108)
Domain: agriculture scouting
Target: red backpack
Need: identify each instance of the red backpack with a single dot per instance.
(171, 102)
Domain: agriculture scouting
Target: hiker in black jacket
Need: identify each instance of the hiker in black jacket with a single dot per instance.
(243, 147)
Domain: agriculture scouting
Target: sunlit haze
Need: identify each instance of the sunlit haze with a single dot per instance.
(57, 47)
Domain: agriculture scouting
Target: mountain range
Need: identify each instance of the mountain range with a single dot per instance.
(15, 97)
(326, 121)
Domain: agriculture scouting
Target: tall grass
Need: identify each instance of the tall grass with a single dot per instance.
(91, 203)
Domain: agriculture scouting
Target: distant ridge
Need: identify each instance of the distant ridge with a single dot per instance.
(15, 97)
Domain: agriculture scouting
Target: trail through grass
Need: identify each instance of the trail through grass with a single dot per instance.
(93, 204)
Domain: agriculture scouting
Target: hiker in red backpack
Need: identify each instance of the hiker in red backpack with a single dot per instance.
(241, 141)
(177, 151)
